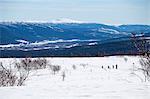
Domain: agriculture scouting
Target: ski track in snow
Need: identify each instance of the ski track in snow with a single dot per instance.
(87, 81)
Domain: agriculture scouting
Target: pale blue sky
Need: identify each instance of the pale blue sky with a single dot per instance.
(100, 11)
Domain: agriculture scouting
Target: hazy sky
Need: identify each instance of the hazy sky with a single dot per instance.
(100, 11)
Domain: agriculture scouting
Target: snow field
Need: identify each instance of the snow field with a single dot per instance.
(84, 79)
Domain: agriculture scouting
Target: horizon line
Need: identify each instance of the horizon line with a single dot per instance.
(37, 21)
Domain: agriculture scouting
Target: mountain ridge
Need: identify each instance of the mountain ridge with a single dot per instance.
(33, 32)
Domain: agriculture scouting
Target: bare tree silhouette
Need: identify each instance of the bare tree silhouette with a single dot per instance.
(142, 43)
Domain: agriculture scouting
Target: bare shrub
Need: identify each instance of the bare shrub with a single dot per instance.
(24, 64)
(83, 65)
(40, 63)
(142, 44)
(19, 74)
(22, 76)
(145, 67)
(125, 59)
(55, 68)
(33, 64)
(7, 77)
(11, 78)
(74, 67)
(63, 75)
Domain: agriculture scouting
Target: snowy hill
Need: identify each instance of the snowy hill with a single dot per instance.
(36, 32)
(23, 38)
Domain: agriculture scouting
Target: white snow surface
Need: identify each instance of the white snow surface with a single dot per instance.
(40, 43)
(111, 31)
(93, 43)
(65, 20)
(22, 41)
(87, 81)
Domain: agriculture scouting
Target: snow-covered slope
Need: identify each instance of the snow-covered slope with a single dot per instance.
(32, 32)
(88, 80)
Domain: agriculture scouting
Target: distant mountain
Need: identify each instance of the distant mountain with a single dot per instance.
(68, 38)
(135, 28)
(11, 32)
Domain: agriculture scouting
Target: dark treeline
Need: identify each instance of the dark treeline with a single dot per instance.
(105, 49)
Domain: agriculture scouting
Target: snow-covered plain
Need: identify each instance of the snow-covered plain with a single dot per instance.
(85, 79)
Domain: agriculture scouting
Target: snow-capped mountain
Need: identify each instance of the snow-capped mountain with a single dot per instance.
(30, 36)
(65, 20)
(37, 32)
